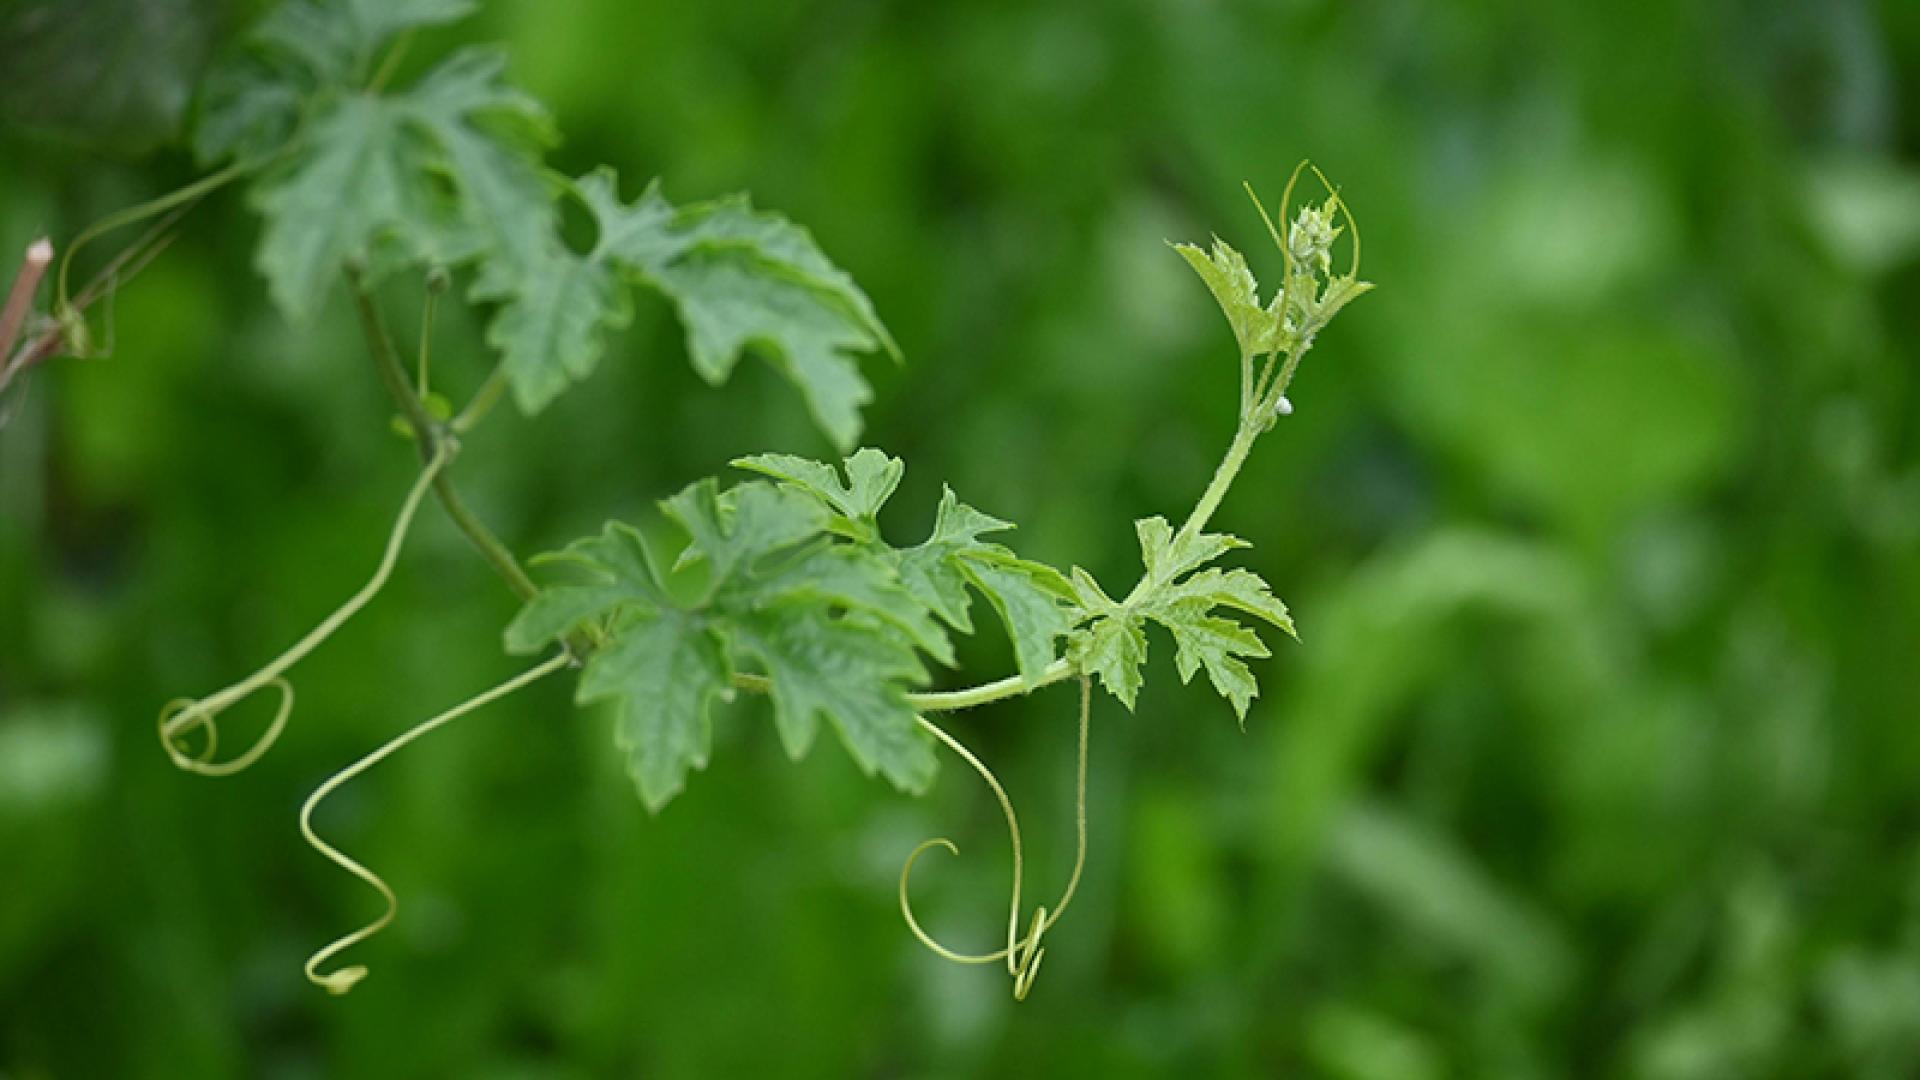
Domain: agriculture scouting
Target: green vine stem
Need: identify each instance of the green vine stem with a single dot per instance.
(482, 403)
(343, 979)
(178, 198)
(182, 715)
(433, 435)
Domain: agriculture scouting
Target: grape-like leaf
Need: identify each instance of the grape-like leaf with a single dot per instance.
(621, 572)
(732, 222)
(665, 670)
(663, 667)
(489, 136)
(550, 334)
(853, 672)
(730, 298)
(367, 170)
(448, 173)
(1033, 600)
(340, 194)
(733, 528)
(827, 622)
(857, 578)
(744, 278)
(1113, 644)
(929, 568)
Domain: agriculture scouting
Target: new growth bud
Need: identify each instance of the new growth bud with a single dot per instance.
(1310, 239)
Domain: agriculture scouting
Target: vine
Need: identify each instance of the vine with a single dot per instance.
(786, 585)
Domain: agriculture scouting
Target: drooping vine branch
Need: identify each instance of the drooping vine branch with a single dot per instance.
(798, 594)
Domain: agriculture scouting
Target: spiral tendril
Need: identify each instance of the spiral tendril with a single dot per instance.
(181, 716)
(341, 980)
(1022, 954)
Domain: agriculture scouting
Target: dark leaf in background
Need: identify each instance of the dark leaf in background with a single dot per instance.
(113, 74)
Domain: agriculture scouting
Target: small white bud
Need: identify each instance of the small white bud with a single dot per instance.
(1283, 407)
(40, 253)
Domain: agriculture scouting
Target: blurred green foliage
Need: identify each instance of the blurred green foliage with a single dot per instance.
(1600, 521)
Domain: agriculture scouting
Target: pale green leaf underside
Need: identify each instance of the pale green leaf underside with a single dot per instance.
(1113, 648)
(1168, 555)
(1026, 596)
(1225, 272)
(1112, 645)
(1215, 644)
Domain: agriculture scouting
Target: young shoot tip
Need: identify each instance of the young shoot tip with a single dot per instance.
(1333, 193)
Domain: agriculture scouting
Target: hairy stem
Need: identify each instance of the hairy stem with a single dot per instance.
(1223, 478)
(432, 435)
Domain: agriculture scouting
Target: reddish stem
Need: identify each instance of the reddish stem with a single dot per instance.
(13, 317)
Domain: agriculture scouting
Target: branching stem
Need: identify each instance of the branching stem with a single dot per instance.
(482, 402)
(182, 197)
(947, 700)
(432, 435)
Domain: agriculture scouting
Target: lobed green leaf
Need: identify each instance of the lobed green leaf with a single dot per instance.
(1224, 270)
(1207, 641)
(851, 671)
(1034, 602)
(664, 669)
(448, 173)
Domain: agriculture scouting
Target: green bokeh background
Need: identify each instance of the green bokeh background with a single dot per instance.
(1600, 519)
